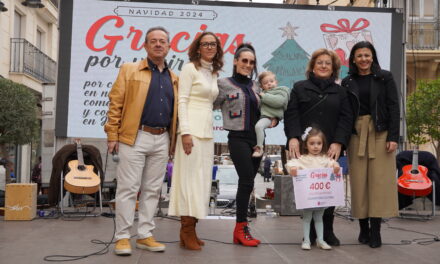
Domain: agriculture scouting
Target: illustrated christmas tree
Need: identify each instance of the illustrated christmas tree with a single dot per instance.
(289, 60)
(343, 72)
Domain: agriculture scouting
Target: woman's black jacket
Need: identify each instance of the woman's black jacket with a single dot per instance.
(384, 102)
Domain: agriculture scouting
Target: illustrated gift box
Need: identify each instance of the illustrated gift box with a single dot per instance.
(342, 37)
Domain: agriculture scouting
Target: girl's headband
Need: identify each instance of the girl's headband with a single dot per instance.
(306, 133)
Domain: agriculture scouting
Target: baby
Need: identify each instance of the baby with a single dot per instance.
(274, 101)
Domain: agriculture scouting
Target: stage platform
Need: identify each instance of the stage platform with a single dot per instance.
(30, 241)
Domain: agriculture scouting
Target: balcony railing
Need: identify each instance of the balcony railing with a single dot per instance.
(423, 36)
(28, 59)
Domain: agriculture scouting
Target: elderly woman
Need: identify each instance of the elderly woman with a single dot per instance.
(371, 152)
(239, 101)
(320, 102)
(194, 158)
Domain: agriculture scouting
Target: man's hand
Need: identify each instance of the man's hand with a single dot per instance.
(113, 146)
(187, 143)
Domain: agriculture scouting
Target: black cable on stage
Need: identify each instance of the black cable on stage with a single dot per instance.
(420, 241)
(402, 243)
(105, 250)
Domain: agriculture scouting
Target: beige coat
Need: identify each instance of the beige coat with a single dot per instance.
(372, 172)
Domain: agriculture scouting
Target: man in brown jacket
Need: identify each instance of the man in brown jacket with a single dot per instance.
(141, 127)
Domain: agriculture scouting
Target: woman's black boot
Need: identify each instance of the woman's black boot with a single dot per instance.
(364, 235)
(375, 239)
(312, 232)
(329, 235)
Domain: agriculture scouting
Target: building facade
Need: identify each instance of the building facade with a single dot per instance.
(28, 54)
(423, 41)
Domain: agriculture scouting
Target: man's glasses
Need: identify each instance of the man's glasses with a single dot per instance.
(208, 45)
(247, 61)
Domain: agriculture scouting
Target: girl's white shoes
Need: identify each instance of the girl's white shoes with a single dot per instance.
(305, 246)
(323, 245)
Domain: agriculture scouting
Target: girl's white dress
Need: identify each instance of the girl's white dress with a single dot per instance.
(311, 162)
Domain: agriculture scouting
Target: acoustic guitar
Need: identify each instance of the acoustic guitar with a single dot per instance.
(414, 181)
(81, 178)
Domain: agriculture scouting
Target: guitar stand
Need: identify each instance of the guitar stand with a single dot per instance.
(418, 216)
(76, 213)
(160, 213)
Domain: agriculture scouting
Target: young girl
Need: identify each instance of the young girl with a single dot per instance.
(314, 149)
(274, 100)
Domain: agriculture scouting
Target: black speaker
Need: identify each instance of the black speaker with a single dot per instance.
(284, 202)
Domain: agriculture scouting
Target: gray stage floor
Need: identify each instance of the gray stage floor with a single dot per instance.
(31, 241)
(23, 242)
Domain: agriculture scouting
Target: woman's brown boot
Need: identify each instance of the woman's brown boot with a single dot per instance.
(188, 237)
(201, 242)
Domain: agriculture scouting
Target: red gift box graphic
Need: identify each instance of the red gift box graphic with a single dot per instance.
(342, 36)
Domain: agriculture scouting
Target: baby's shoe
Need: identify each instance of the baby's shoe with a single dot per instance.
(258, 152)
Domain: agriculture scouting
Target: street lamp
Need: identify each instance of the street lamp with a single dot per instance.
(2, 7)
(33, 3)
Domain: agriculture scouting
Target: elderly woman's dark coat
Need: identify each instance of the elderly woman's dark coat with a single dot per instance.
(326, 107)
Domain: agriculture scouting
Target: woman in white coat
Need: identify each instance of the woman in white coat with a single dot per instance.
(191, 185)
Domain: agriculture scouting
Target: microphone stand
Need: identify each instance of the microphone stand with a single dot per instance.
(160, 213)
(347, 207)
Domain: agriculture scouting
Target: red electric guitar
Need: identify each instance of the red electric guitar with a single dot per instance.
(414, 181)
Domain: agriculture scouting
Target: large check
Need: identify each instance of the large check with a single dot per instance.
(318, 188)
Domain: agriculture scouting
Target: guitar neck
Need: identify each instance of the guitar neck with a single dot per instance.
(80, 155)
(415, 160)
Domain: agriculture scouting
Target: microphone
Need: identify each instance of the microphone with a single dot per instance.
(115, 156)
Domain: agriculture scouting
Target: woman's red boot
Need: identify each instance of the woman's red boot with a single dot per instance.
(243, 236)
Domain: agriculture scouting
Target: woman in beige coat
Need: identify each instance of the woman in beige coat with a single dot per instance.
(372, 149)
(191, 184)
